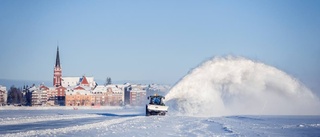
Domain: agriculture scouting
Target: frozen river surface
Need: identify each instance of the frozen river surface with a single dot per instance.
(132, 122)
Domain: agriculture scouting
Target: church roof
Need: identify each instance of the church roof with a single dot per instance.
(84, 81)
(79, 88)
(43, 87)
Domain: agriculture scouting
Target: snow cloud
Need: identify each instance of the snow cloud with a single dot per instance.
(239, 86)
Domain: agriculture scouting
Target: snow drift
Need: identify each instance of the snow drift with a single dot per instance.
(239, 86)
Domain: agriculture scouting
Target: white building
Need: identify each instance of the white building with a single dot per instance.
(3, 95)
(42, 95)
(39, 98)
(75, 81)
(111, 94)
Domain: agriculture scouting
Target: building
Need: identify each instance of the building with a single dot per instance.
(80, 91)
(127, 89)
(135, 95)
(110, 95)
(97, 99)
(61, 93)
(57, 73)
(3, 95)
(75, 81)
(114, 95)
(52, 96)
(39, 96)
(78, 96)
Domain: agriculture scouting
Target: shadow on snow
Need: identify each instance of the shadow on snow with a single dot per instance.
(118, 115)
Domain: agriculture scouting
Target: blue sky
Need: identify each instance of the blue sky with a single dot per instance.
(156, 40)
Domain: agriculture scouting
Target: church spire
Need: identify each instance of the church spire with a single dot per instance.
(57, 73)
(57, 58)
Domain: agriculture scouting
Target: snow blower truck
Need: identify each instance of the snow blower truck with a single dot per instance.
(156, 106)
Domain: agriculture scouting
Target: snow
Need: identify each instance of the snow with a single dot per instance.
(130, 122)
(239, 86)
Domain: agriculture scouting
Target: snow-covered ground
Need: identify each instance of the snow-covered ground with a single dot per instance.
(65, 121)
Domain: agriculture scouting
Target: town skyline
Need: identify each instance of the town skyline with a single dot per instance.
(77, 91)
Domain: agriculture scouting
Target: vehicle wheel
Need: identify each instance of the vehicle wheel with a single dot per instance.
(147, 112)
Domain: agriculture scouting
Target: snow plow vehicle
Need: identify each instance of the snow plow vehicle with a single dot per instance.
(156, 106)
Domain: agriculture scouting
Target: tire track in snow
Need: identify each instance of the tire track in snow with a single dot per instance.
(70, 129)
(25, 120)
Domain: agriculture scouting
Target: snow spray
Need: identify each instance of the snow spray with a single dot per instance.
(239, 86)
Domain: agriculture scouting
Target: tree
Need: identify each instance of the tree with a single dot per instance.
(15, 96)
(27, 96)
(108, 81)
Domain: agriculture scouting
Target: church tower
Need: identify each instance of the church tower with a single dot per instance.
(57, 74)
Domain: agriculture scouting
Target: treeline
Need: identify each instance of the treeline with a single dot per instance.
(19, 96)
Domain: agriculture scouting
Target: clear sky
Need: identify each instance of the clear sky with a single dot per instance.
(156, 40)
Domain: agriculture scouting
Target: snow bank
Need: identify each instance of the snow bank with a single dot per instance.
(236, 85)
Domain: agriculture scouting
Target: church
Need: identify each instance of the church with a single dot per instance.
(64, 84)
(58, 80)
(83, 91)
